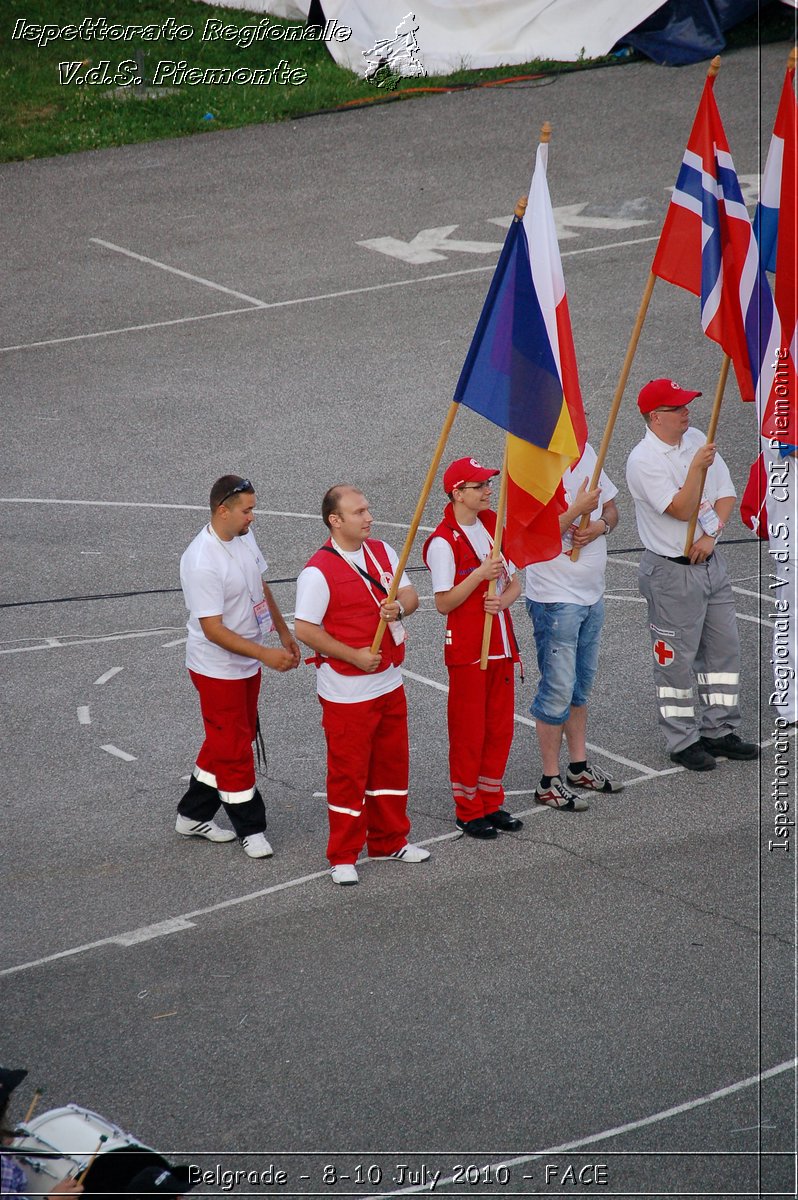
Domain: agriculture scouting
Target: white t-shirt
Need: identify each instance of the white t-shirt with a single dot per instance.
(312, 599)
(440, 560)
(655, 472)
(224, 579)
(562, 581)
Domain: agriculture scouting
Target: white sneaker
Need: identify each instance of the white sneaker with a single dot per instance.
(344, 873)
(410, 853)
(206, 829)
(256, 846)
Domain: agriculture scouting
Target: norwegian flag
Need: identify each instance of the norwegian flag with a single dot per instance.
(777, 213)
(707, 246)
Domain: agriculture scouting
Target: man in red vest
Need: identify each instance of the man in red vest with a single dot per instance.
(481, 703)
(341, 598)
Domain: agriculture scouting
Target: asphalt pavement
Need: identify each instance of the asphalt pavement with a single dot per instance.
(602, 1003)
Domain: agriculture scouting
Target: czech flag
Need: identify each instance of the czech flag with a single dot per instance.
(520, 373)
(707, 246)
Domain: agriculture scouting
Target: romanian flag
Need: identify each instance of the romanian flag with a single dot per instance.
(520, 373)
(707, 246)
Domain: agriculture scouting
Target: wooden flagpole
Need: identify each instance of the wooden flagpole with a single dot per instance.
(712, 71)
(495, 554)
(417, 515)
(631, 350)
(713, 425)
(519, 211)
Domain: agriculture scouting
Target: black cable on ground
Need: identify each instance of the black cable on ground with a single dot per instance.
(289, 579)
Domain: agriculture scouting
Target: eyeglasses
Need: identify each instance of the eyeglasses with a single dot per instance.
(243, 486)
(474, 487)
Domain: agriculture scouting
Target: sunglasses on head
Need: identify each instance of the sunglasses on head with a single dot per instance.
(243, 486)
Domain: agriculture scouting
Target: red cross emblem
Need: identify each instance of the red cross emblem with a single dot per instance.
(663, 653)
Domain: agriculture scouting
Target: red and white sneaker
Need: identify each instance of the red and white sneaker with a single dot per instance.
(594, 779)
(557, 795)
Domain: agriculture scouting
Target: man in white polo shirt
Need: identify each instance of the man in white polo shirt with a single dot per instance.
(690, 603)
(565, 600)
(230, 607)
(341, 597)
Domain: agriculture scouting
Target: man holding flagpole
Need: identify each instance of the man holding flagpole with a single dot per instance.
(691, 609)
(481, 703)
(341, 598)
(565, 600)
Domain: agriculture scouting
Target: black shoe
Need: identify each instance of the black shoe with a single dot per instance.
(730, 746)
(504, 821)
(480, 827)
(695, 758)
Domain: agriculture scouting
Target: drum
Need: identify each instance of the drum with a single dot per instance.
(60, 1143)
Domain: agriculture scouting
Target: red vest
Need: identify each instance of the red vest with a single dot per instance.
(465, 624)
(352, 616)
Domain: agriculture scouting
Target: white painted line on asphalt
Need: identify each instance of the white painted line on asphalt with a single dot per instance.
(153, 262)
(177, 642)
(117, 753)
(260, 305)
(148, 932)
(656, 1118)
(109, 674)
(626, 762)
(101, 333)
(52, 644)
(261, 512)
(83, 714)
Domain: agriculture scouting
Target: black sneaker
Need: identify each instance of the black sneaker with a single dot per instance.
(730, 746)
(504, 821)
(480, 827)
(694, 758)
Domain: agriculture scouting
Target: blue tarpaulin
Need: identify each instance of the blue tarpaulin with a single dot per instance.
(689, 31)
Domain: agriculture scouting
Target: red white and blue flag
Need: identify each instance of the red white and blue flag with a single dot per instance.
(777, 213)
(520, 372)
(707, 246)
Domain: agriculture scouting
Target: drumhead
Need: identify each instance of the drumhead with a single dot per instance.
(61, 1142)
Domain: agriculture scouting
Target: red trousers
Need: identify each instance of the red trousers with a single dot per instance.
(367, 776)
(481, 708)
(230, 714)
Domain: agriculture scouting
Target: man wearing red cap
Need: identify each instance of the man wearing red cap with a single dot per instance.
(340, 599)
(481, 703)
(690, 604)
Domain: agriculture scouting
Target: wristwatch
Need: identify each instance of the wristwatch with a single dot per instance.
(607, 526)
(401, 609)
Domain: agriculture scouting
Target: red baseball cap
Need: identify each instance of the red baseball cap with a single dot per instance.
(663, 393)
(465, 470)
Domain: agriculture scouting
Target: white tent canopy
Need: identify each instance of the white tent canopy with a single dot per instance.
(472, 34)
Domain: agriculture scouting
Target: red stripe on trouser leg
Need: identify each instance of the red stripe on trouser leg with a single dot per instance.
(367, 751)
(230, 713)
(481, 708)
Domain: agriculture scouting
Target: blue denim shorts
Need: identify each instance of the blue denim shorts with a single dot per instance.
(567, 639)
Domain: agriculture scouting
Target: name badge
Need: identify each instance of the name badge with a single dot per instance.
(263, 616)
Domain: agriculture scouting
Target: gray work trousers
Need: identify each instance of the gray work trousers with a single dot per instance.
(694, 638)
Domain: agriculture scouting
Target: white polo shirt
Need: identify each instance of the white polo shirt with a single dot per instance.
(655, 472)
(224, 579)
(560, 580)
(312, 598)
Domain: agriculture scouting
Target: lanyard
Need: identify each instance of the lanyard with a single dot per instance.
(233, 559)
(355, 568)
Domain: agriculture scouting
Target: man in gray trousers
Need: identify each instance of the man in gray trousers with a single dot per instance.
(690, 604)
